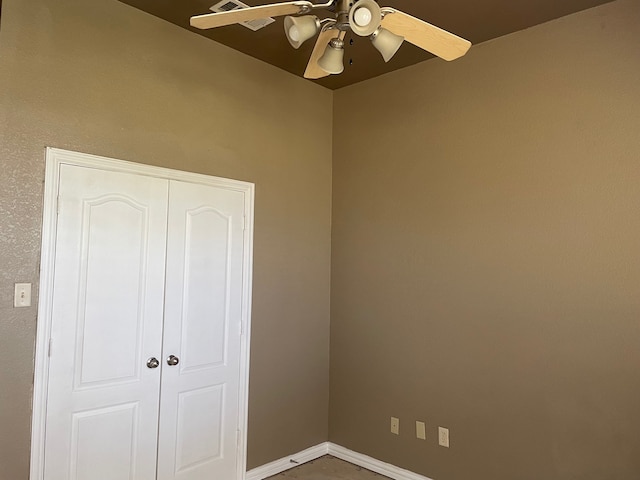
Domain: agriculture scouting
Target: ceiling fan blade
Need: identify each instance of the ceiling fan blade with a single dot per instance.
(220, 19)
(313, 71)
(433, 39)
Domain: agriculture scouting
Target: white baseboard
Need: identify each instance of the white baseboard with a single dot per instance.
(372, 464)
(286, 463)
(327, 448)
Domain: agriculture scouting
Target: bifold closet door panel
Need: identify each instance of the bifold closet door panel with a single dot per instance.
(199, 414)
(103, 399)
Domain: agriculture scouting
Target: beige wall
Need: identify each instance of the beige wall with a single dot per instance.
(485, 231)
(486, 274)
(100, 77)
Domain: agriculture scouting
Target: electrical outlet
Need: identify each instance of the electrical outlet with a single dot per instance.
(421, 432)
(395, 426)
(443, 437)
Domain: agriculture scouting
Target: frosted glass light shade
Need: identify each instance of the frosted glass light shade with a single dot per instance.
(332, 61)
(365, 17)
(362, 17)
(386, 42)
(300, 29)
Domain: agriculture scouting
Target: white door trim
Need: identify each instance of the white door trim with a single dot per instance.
(54, 159)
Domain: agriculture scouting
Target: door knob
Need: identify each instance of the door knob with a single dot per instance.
(173, 360)
(153, 362)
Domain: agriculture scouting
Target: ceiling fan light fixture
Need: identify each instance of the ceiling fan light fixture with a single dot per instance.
(387, 28)
(386, 42)
(300, 29)
(332, 61)
(365, 17)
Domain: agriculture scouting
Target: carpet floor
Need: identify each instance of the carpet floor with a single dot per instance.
(328, 468)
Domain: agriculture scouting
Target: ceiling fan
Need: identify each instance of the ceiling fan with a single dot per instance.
(387, 28)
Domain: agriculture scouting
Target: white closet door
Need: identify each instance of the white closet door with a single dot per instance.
(199, 412)
(107, 312)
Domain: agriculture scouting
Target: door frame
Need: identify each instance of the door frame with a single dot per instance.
(55, 158)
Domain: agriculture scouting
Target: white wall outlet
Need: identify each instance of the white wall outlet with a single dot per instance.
(22, 295)
(443, 437)
(395, 426)
(421, 431)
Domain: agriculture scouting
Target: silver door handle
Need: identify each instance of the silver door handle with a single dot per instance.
(153, 362)
(173, 360)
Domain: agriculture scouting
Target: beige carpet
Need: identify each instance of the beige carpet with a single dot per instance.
(328, 468)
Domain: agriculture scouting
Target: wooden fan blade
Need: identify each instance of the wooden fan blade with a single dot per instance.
(313, 71)
(426, 36)
(220, 19)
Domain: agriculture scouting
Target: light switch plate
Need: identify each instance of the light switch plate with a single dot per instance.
(22, 295)
(421, 431)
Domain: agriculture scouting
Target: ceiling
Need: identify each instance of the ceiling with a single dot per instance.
(475, 20)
